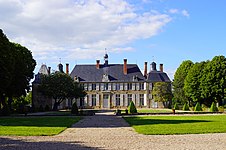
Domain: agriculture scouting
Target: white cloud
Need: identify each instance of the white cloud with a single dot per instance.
(185, 13)
(173, 11)
(76, 28)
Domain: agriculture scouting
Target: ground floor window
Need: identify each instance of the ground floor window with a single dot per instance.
(82, 101)
(129, 98)
(93, 99)
(117, 99)
(141, 99)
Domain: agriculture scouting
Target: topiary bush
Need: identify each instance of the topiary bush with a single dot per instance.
(132, 108)
(185, 107)
(176, 107)
(221, 109)
(198, 107)
(213, 107)
(74, 108)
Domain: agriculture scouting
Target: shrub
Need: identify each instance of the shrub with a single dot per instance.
(74, 109)
(132, 108)
(47, 108)
(221, 109)
(198, 107)
(204, 107)
(185, 107)
(176, 107)
(213, 107)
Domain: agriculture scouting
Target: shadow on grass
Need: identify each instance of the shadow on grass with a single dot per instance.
(140, 121)
(21, 144)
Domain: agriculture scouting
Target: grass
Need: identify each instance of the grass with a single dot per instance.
(166, 125)
(154, 110)
(35, 126)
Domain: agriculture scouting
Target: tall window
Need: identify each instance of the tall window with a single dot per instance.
(129, 98)
(82, 101)
(93, 86)
(141, 99)
(105, 86)
(142, 86)
(93, 99)
(117, 86)
(129, 86)
(117, 99)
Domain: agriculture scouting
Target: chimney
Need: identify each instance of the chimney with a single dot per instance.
(49, 70)
(125, 67)
(98, 64)
(67, 68)
(161, 67)
(145, 68)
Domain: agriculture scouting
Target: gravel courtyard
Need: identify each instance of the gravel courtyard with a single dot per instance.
(107, 131)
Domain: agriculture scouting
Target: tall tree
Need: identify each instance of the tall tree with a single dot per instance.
(16, 70)
(162, 92)
(213, 81)
(60, 87)
(193, 80)
(178, 82)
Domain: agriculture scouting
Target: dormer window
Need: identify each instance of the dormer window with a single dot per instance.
(76, 79)
(105, 78)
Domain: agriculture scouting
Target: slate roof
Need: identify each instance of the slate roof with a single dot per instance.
(157, 76)
(89, 73)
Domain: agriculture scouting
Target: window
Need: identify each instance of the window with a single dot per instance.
(86, 87)
(93, 100)
(141, 99)
(141, 86)
(117, 99)
(129, 86)
(105, 86)
(82, 101)
(129, 98)
(117, 86)
(93, 86)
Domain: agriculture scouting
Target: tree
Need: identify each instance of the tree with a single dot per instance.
(213, 81)
(16, 70)
(60, 87)
(132, 108)
(162, 92)
(178, 83)
(193, 80)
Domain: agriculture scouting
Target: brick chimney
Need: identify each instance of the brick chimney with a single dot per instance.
(145, 68)
(98, 64)
(49, 70)
(67, 68)
(125, 67)
(161, 67)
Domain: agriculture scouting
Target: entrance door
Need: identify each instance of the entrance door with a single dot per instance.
(106, 101)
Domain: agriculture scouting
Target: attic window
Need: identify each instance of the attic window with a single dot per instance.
(76, 79)
(105, 78)
(135, 78)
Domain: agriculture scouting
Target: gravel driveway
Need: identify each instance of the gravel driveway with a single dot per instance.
(107, 131)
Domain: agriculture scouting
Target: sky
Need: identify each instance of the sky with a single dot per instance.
(78, 31)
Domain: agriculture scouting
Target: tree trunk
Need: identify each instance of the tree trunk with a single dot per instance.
(55, 106)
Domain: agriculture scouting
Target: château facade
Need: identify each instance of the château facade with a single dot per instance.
(110, 86)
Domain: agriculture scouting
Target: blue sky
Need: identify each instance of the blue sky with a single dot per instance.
(78, 31)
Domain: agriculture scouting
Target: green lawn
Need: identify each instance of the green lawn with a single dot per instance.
(154, 110)
(35, 126)
(164, 125)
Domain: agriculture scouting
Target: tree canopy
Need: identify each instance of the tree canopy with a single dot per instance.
(193, 80)
(162, 92)
(16, 70)
(178, 83)
(60, 87)
(205, 82)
